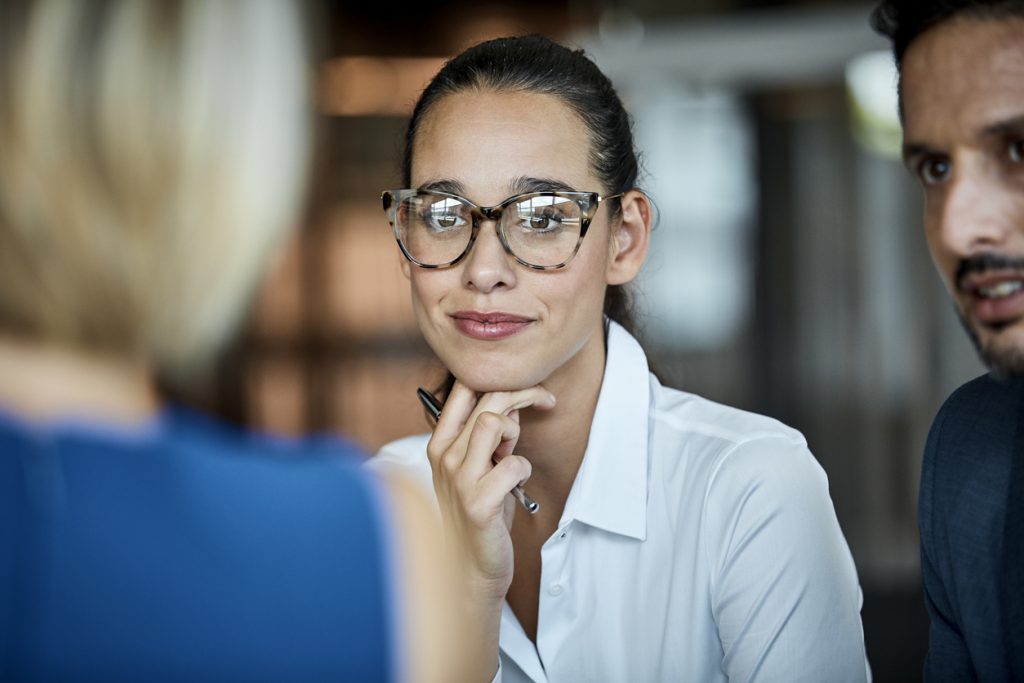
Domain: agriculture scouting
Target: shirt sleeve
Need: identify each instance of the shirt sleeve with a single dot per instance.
(948, 658)
(785, 595)
(408, 458)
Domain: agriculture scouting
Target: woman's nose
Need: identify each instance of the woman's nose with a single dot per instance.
(488, 265)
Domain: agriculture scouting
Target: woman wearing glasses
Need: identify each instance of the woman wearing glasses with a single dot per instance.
(676, 539)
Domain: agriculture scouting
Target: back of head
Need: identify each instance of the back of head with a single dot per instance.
(537, 64)
(151, 153)
(902, 21)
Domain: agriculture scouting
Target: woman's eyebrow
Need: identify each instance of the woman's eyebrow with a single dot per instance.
(524, 184)
(446, 185)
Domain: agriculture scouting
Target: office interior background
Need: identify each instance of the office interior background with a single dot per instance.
(788, 275)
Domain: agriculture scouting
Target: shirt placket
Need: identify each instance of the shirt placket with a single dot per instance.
(555, 608)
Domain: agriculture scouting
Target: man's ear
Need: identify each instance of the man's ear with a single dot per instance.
(406, 268)
(630, 239)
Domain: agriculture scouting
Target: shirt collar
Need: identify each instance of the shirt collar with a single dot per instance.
(610, 490)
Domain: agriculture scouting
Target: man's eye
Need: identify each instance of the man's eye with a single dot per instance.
(933, 170)
(1016, 151)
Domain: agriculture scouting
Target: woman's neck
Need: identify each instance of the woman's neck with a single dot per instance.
(554, 441)
(43, 383)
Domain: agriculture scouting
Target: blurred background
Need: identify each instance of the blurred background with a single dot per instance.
(788, 275)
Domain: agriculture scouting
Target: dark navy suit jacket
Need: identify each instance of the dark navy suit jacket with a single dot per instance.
(972, 534)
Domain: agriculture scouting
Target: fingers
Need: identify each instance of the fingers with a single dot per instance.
(511, 471)
(497, 484)
(463, 408)
(473, 491)
(491, 432)
(457, 409)
(507, 401)
(483, 499)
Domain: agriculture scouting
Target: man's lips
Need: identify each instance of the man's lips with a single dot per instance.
(490, 325)
(991, 285)
(994, 297)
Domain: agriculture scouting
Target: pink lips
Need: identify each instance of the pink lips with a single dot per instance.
(489, 326)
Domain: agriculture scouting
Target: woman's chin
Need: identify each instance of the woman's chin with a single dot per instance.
(485, 383)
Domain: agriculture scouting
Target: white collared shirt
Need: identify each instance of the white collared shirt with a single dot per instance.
(698, 543)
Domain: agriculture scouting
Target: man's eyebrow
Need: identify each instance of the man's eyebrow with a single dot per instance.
(1013, 125)
(912, 151)
(524, 184)
(446, 185)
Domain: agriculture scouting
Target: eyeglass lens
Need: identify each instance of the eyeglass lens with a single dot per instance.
(540, 230)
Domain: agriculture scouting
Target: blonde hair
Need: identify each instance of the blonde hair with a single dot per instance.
(151, 154)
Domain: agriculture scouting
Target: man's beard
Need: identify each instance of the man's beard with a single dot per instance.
(1003, 363)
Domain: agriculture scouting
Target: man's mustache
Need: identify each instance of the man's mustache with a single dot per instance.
(985, 262)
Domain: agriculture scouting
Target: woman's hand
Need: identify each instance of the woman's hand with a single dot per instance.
(473, 492)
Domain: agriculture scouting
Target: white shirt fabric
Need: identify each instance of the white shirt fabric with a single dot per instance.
(698, 543)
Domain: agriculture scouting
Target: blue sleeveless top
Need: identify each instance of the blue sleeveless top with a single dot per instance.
(187, 550)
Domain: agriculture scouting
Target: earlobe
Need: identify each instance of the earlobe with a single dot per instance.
(406, 269)
(630, 239)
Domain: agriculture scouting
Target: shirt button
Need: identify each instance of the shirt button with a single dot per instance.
(555, 589)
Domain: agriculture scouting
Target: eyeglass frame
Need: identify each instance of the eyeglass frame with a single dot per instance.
(391, 198)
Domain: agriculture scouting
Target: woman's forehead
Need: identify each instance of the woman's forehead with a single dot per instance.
(488, 141)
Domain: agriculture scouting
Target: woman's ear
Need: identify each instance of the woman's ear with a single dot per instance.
(630, 239)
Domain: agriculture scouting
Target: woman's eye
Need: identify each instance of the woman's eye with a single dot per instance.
(933, 170)
(442, 221)
(544, 222)
(1016, 151)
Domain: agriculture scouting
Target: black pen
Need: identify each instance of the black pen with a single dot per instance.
(433, 407)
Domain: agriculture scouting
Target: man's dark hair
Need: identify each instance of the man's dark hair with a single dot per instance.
(902, 21)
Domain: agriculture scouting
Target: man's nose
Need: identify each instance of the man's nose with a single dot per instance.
(978, 214)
